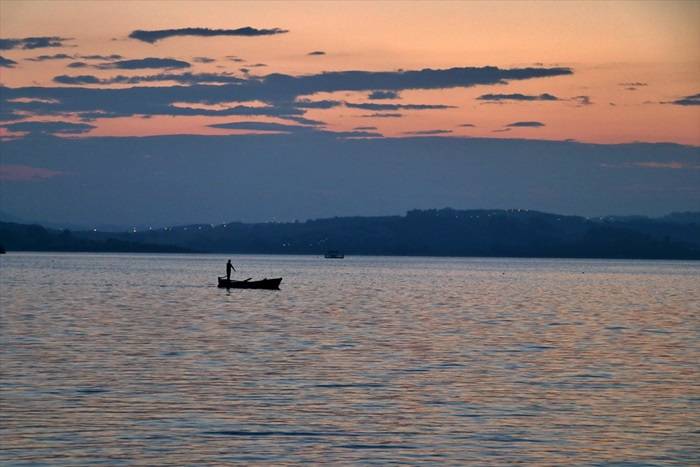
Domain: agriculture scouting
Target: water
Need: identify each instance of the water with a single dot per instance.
(140, 360)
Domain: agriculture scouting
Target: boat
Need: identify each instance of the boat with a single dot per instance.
(270, 284)
(334, 254)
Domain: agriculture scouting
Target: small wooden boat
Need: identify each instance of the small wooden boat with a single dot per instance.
(334, 254)
(270, 284)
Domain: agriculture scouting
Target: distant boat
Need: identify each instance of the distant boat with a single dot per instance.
(334, 254)
(270, 284)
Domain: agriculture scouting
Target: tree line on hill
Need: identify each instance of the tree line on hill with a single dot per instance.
(434, 232)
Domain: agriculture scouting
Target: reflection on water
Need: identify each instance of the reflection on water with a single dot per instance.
(140, 359)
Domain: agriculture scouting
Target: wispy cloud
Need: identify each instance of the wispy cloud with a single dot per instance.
(48, 127)
(101, 57)
(142, 63)
(26, 173)
(317, 52)
(377, 95)
(382, 115)
(427, 132)
(323, 104)
(467, 125)
(152, 36)
(582, 101)
(670, 165)
(6, 62)
(203, 60)
(42, 58)
(32, 42)
(632, 85)
(687, 100)
(517, 97)
(382, 107)
(295, 129)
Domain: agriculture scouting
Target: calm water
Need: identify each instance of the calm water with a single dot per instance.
(140, 360)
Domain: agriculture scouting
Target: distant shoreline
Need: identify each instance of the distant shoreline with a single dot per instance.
(441, 233)
(347, 257)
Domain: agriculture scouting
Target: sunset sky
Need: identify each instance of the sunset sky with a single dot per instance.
(590, 72)
(629, 61)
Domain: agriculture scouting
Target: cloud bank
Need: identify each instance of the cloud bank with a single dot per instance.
(277, 90)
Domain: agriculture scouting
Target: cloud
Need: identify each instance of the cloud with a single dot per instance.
(530, 124)
(382, 115)
(153, 36)
(382, 107)
(427, 132)
(42, 58)
(32, 43)
(376, 95)
(303, 120)
(632, 86)
(6, 62)
(671, 165)
(260, 126)
(77, 65)
(517, 97)
(26, 173)
(101, 57)
(278, 90)
(257, 65)
(150, 62)
(203, 60)
(582, 101)
(182, 78)
(365, 128)
(687, 100)
(399, 80)
(48, 127)
(324, 104)
(233, 58)
(317, 52)
(296, 129)
(77, 80)
(466, 125)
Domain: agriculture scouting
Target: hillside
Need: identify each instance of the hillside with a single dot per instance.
(25, 237)
(444, 232)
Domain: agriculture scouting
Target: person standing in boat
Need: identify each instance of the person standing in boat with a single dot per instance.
(229, 268)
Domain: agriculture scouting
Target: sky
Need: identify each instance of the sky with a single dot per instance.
(328, 76)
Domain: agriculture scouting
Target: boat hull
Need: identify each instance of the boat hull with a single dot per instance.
(269, 284)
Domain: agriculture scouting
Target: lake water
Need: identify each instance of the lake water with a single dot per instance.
(141, 360)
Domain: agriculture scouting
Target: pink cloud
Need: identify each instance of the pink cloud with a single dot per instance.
(25, 173)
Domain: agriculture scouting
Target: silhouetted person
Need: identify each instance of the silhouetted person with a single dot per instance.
(229, 268)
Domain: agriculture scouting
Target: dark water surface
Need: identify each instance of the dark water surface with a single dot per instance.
(141, 360)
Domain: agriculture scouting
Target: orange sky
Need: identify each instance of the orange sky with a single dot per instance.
(605, 43)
